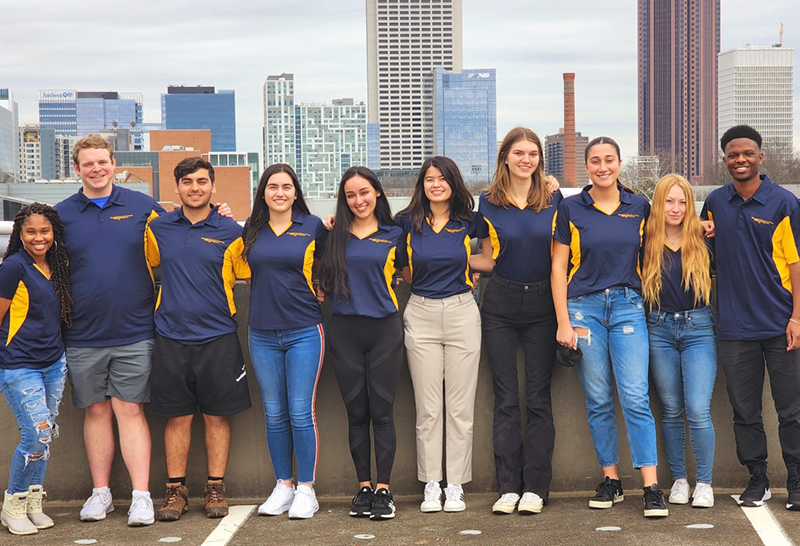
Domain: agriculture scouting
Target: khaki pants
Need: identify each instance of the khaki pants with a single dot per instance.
(443, 345)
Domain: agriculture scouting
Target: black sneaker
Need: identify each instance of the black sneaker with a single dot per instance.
(382, 505)
(757, 490)
(654, 506)
(793, 488)
(362, 503)
(609, 492)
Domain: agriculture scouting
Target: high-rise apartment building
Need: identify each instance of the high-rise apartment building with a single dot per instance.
(9, 137)
(407, 39)
(756, 88)
(461, 120)
(678, 47)
(201, 107)
(554, 148)
(319, 141)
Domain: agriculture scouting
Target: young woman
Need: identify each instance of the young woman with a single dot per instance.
(519, 210)
(683, 349)
(442, 326)
(365, 331)
(35, 298)
(282, 242)
(601, 312)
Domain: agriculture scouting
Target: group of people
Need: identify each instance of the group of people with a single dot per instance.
(603, 280)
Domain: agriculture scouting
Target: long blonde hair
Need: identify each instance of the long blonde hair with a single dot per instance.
(538, 194)
(694, 254)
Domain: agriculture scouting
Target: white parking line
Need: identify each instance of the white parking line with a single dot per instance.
(769, 530)
(229, 525)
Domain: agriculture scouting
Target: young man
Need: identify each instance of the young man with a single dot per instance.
(197, 359)
(757, 227)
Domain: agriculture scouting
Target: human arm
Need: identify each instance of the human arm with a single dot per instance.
(565, 335)
(405, 274)
(552, 183)
(224, 210)
(483, 262)
(4, 306)
(793, 327)
(329, 221)
(151, 252)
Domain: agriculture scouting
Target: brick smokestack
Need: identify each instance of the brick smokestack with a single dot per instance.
(570, 160)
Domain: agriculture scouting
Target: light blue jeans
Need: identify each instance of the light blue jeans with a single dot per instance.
(683, 363)
(33, 396)
(615, 349)
(287, 364)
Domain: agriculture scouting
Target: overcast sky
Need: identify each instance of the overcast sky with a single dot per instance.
(144, 46)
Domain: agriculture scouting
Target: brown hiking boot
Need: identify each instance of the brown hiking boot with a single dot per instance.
(176, 503)
(214, 494)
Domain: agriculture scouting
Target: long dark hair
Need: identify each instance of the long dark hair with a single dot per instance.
(333, 271)
(56, 257)
(260, 215)
(461, 201)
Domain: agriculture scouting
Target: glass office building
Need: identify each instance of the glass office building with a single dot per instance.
(201, 107)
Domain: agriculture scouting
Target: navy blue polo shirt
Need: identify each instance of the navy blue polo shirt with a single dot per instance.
(195, 303)
(282, 294)
(522, 239)
(605, 248)
(31, 329)
(755, 242)
(438, 262)
(370, 274)
(674, 298)
(112, 286)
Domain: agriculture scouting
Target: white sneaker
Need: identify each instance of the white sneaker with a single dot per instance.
(679, 492)
(141, 510)
(305, 503)
(433, 498)
(531, 503)
(454, 498)
(703, 496)
(506, 504)
(279, 501)
(98, 505)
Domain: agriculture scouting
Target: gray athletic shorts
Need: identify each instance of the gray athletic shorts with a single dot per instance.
(98, 373)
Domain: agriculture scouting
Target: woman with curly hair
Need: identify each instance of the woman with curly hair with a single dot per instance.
(35, 298)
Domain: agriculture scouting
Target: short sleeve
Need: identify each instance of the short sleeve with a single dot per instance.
(791, 236)
(705, 213)
(478, 227)
(151, 251)
(562, 232)
(10, 275)
(401, 256)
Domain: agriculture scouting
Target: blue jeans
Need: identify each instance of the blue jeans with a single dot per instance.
(683, 362)
(615, 348)
(33, 396)
(287, 364)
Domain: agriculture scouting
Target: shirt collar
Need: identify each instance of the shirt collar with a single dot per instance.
(297, 217)
(759, 196)
(624, 195)
(116, 198)
(211, 220)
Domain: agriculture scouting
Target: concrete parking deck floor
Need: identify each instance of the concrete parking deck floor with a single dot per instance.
(566, 520)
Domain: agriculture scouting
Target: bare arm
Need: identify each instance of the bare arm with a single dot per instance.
(483, 262)
(793, 329)
(558, 283)
(4, 306)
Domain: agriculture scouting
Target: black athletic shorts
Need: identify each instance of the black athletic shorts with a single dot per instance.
(211, 375)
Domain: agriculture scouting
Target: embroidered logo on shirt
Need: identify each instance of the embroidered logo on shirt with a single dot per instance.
(215, 241)
(761, 221)
(628, 215)
(448, 230)
(123, 217)
(298, 234)
(374, 240)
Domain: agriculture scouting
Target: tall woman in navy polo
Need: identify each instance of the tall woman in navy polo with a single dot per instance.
(442, 326)
(519, 212)
(35, 297)
(683, 348)
(366, 333)
(282, 242)
(597, 294)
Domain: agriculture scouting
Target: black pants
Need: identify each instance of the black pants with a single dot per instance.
(743, 363)
(367, 356)
(511, 311)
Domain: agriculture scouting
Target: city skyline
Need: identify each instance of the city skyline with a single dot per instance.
(240, 45)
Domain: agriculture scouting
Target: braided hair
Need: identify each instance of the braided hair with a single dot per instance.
(56, 256)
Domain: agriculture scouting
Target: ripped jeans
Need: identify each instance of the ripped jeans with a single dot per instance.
(33, 396)
(615, 349)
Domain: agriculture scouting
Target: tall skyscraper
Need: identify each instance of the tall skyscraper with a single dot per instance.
(9, 137)
(678, 46)
(756, 88)
(461, 120)
(279, 121)
(405, 41)
(201, 107)
(554, 156)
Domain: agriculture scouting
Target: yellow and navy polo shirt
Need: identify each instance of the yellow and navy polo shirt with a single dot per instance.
(31, 329)
(521, 239)
(112, 287)
(282, 294)
(195, 303)
(755, 242)
(605, 247)
(370, 274)
(438, 261)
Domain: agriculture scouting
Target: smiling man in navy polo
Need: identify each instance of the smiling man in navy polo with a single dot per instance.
(757, 226)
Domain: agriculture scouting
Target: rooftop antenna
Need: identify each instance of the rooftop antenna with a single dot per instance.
(780, 38)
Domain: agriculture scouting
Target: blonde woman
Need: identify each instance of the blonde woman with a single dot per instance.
(683, 352)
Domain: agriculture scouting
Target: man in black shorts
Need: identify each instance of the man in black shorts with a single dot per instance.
(197, 358)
